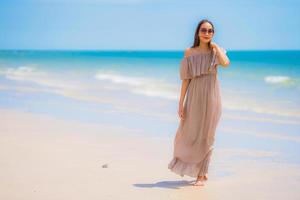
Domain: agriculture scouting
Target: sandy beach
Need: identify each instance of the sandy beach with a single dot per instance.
(47, 158)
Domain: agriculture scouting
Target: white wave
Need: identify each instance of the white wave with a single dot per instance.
(20, 73)
(252, 105)
(31, 74)
(116, 78)
(141, 85)
(156, 87)
(277, 79)
(104, 92)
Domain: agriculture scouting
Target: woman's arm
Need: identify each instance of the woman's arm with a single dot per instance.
(221, 55)
(184, 85)
(224, 60)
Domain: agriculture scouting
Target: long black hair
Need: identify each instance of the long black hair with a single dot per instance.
(196, 36)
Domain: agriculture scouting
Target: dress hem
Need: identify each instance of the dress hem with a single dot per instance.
(190, 169)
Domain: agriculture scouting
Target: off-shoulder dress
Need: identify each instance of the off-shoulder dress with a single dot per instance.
(195, 135)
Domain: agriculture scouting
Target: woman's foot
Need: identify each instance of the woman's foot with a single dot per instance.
(200, 181)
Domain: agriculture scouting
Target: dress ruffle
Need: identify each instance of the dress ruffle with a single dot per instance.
(191, 66)
(191, 169)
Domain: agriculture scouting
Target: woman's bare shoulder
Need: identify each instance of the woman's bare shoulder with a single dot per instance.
(187, 52)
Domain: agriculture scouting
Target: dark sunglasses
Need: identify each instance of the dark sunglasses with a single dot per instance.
(204, 30)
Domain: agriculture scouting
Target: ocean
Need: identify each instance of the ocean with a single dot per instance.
(139, 90)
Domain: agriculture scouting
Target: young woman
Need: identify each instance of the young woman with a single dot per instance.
(200, 105)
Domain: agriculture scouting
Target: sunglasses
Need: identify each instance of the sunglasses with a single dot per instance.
(204, 30)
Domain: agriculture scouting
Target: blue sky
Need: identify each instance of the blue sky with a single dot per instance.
(147, 24)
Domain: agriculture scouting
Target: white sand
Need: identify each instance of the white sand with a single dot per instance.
(45, 158)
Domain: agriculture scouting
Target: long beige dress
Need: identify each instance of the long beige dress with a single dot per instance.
(193, 143)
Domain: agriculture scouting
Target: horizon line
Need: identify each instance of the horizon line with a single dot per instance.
(36, 49)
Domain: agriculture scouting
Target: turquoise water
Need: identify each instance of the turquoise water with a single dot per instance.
(258, 81)
(260, 92)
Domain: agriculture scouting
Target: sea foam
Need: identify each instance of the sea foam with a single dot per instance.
(141, 85)
(277, 79)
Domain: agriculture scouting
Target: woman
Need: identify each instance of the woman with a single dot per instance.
(201, 110)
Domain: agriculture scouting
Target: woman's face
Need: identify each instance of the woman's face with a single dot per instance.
(206, 32)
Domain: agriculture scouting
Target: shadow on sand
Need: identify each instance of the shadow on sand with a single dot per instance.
(165, 184)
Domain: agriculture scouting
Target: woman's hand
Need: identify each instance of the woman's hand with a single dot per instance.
(181, 111)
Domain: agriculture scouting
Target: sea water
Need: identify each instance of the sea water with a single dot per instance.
(140, 90)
